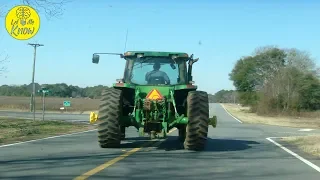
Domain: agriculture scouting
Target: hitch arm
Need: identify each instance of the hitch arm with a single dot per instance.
(213, 121)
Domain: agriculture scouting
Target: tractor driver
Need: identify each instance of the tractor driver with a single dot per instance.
(157, 73)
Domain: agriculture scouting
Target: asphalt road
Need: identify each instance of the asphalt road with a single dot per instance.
(234, 151)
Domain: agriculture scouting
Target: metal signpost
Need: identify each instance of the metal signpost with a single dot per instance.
(44, 91)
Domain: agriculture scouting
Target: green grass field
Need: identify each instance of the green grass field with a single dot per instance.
(52, 104)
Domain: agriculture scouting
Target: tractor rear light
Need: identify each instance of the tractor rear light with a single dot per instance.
(119, 80)
(120, 84)
(191, 82)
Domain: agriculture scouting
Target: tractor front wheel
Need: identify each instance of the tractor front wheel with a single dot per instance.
(110, 111)
(198, 117)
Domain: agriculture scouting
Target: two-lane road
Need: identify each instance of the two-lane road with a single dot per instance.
(234, 151)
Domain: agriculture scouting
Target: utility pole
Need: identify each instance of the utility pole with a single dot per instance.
(32, 100)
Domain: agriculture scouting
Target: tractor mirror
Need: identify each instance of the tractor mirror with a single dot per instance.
(95, 59)
(193, 61)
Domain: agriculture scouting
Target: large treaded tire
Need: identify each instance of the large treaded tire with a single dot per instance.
(110, 111)
(198, 120)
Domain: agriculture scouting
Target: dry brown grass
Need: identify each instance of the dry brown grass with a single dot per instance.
(242, 113)
(309, 144)
(17, 130)
(52, 104)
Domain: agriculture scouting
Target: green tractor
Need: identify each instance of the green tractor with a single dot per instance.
(155, 95)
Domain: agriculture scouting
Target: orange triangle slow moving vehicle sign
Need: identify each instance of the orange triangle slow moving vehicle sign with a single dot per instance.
(154, 95)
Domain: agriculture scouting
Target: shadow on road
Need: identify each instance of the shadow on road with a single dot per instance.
(172, 143)
(145, 164)
(212, 145)
(136, 142)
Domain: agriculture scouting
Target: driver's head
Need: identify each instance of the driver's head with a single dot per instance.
(156, 66)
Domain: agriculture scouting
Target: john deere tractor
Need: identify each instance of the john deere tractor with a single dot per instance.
(155, 95)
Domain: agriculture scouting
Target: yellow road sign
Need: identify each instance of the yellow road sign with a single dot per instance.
(154, 95)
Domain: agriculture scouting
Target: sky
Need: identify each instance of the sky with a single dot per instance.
(226, 29)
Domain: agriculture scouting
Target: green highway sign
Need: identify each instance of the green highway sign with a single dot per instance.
(43, 91)
(66, 103)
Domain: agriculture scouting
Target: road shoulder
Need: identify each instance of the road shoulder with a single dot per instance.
(244, 115)
(309, 144)
(309, 159)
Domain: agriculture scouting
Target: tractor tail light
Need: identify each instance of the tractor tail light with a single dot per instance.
(119, 80)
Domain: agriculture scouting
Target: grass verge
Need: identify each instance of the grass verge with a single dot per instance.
(16, 130)
(243, 114)
(309, 144)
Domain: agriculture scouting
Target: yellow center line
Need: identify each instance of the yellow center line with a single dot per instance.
(113, 161)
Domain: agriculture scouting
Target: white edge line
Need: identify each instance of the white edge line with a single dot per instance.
(295, 155)
(230, 114)
(6, 145)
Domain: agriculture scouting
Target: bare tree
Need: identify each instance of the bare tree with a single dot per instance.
(3, 59)
(297, 63)
(3, 56)
(263, 49)
(51, 8)
(301, 60)
(1, 11)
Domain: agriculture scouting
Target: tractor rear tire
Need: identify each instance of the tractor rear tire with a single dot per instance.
(110, 111)
(198, 120)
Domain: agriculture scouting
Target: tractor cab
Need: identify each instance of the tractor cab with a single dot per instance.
(155, 68)
(145, 68)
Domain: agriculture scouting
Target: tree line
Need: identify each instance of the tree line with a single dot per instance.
(65, 91)
(56, 90)
(224, 96)
(277, 80)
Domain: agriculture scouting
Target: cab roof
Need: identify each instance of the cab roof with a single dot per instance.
(156, 53)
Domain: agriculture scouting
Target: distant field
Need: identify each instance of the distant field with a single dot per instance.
(307, 119)
(52, 104)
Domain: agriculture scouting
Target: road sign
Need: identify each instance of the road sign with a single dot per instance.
(66, 103)
(154, 95)
(43, 91)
